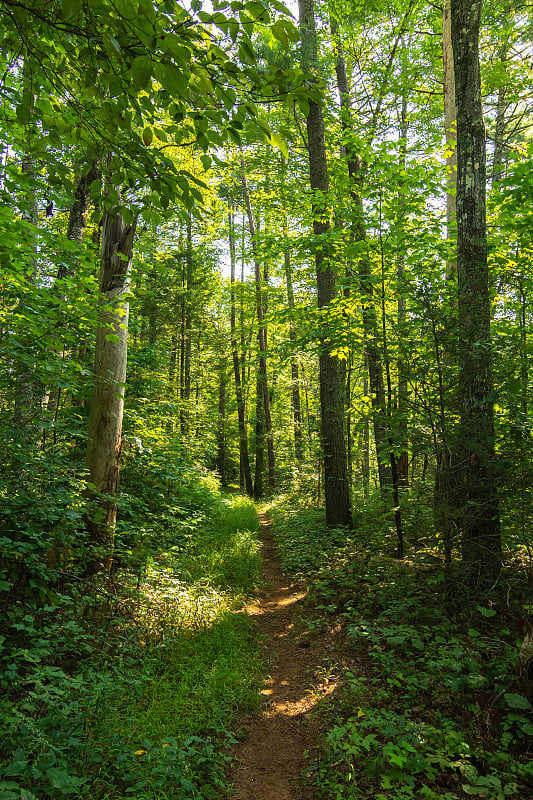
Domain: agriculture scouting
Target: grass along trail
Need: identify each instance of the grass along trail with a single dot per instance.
(271, 757)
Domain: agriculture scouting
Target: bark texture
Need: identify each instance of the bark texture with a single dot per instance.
(477, 492)
(331, 376)
(104, 447)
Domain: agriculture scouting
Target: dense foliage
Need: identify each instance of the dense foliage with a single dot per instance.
(433, 703)
(176, 284)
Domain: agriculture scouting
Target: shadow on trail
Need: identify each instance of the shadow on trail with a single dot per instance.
(272, 755)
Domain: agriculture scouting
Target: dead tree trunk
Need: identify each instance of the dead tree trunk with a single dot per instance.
(104, 446)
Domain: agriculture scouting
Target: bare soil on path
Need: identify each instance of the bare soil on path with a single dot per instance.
(305, 667)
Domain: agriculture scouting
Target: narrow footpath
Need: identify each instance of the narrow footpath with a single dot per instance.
(270, 758)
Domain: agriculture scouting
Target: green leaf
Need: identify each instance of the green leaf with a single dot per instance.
(174, 80)
(280, 144)
(229, 97)
(487, 612)
(257, 10)
(246, 52)
(148, 136)
(141, 72)
(111, 46)
(517, 701)
(126, 8)
(235, 135)
(23, 113)
(279, 32)
(71, 8)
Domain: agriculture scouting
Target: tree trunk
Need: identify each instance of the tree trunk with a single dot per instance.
(187, 333)
(498, 159)
(104, 446)
(450, 128)
(263, 418)
(77, 218)
(221, 422)
(27, 395)
(370, 323)
(259, 436)
(336, 488)
(295, 377)
(402, 460)
(365, 462)
(244, 460)
(478, 505)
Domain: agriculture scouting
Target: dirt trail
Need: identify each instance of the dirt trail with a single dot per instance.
(270, 759)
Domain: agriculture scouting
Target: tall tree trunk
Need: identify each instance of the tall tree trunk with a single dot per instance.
(244, 460)
(402, 460)
(104, 446)
(336, 488)
(77, 224)
(187, 332)
(295, 377)
(172, 361)
(26, 407)
(478, 504)
(365, 462)
(498, 159)
(450, 128)
(390, 407)
(448, 401)
(259, 436)
(26, 401)
(262, 381)
(221, 422)
(370, 324)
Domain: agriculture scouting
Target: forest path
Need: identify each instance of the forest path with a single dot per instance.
(270, 758)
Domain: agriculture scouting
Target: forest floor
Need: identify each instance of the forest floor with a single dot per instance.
(282, 740)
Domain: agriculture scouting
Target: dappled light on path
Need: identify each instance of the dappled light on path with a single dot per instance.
(272, 754)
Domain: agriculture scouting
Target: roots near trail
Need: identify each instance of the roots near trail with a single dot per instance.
(270, 759)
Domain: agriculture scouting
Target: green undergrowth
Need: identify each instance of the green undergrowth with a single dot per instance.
(438, 707)
(128, 688)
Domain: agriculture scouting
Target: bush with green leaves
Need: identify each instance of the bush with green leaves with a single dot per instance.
(129, 689)
(439, 711)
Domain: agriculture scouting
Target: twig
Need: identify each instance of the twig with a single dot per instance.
(102, 592)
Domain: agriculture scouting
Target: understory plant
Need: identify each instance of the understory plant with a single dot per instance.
(440, 706)
(127, 687)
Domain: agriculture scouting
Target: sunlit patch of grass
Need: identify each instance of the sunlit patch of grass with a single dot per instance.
(165, 736)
